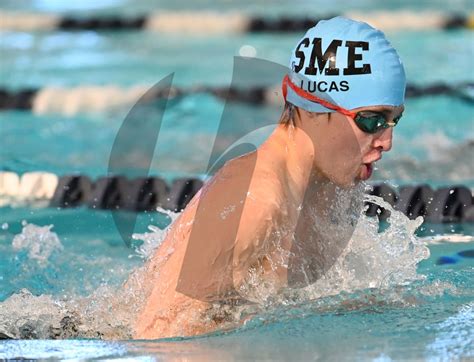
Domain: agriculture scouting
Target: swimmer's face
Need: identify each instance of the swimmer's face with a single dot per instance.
(342, 151)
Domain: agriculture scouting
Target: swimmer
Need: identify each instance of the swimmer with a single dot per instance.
(344, 93)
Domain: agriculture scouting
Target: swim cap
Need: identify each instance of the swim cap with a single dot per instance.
(347, 63)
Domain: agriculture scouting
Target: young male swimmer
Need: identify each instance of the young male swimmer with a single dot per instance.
(343, 94)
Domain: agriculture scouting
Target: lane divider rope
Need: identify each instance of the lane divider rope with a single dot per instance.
(91, 99)
(451, 204)
(193, 22)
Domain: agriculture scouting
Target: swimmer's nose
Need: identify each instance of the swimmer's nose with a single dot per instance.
(383, 140)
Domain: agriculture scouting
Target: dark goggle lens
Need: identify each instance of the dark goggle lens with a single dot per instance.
(373, 123)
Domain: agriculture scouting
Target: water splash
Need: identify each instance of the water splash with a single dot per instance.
(105, 314)
(39, 241)
(372, 259)
(153, 239)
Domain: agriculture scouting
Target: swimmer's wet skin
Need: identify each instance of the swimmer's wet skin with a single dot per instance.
(344, 93)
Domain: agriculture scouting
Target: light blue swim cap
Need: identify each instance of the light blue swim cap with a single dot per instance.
(347, 63)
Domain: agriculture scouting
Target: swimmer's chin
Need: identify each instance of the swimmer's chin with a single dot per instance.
(349, 181)
(344, 180)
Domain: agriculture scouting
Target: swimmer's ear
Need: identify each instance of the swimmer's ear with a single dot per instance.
(299, 113)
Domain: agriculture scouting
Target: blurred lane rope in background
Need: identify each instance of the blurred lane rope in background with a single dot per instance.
(70, 101)
(446, 204)
(212, 22)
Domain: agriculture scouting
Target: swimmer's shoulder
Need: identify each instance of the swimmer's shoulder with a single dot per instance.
(243, 185)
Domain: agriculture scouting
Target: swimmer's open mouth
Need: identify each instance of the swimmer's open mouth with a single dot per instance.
(368, 168)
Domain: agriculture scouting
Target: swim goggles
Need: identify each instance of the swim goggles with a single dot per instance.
(368, 121)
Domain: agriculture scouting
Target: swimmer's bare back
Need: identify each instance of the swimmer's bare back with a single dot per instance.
(212, 246)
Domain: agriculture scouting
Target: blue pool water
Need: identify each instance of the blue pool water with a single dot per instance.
(430, 317)
(84, 140)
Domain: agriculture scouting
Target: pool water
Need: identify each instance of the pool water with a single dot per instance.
(430, 315)
(438, 152)
(430, 319)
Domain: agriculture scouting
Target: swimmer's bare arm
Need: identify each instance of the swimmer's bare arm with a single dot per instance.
(226, 229)
(207, 252)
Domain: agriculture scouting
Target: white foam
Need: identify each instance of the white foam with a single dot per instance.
(374, 259)
(153, 239)
(39, 241)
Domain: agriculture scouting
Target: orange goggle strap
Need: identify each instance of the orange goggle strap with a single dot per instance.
(306, 95)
